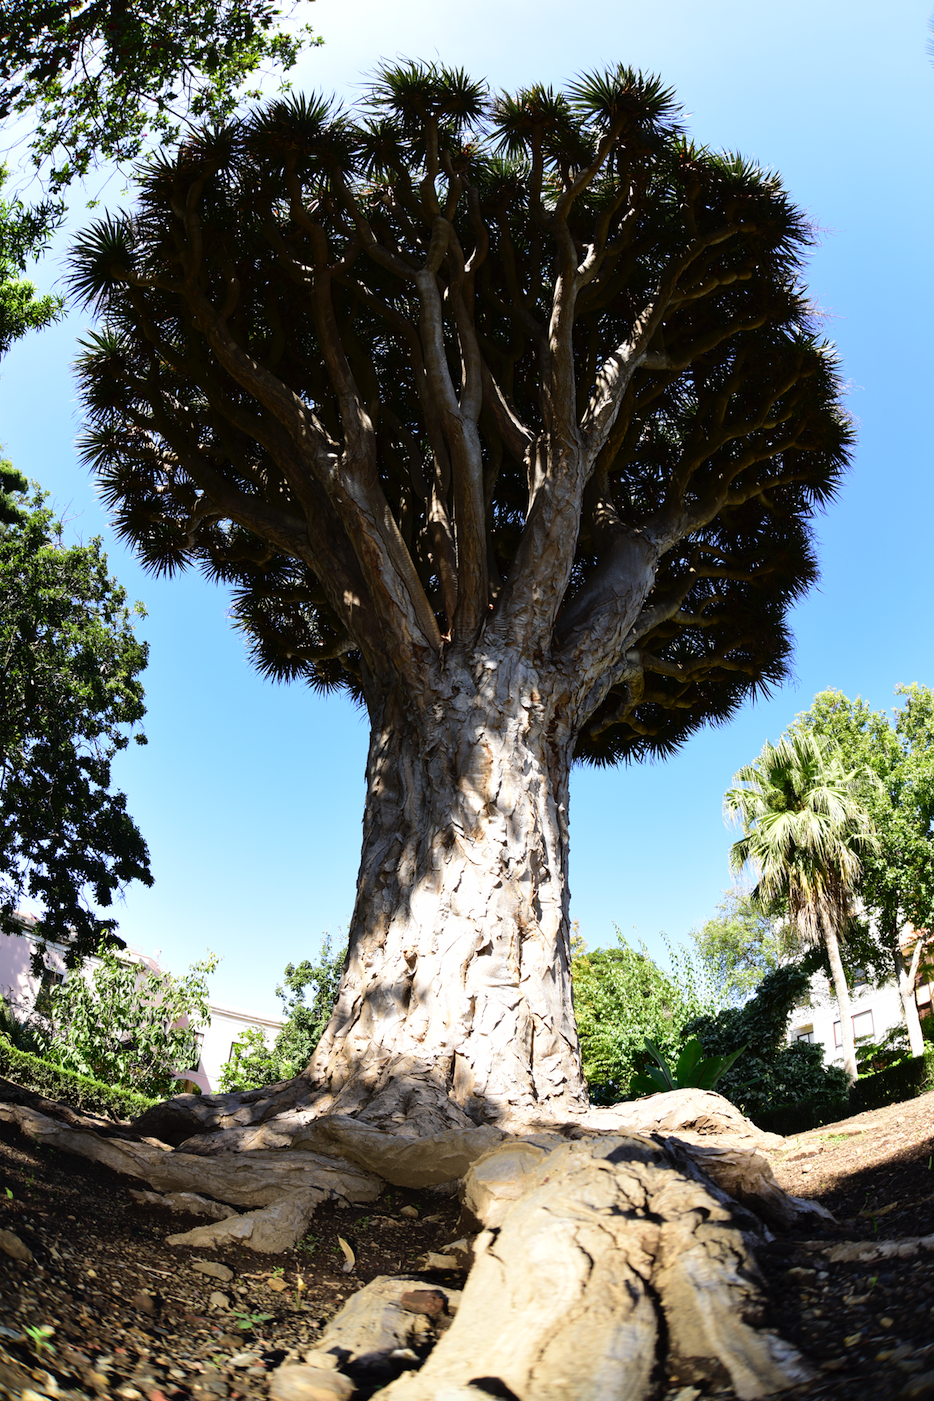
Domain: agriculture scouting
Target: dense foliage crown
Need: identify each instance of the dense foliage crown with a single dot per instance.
(348, 356)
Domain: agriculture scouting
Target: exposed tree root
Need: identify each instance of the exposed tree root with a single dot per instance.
(604, 1259)
(611, 1265)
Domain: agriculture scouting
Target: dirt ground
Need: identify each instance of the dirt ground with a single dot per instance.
(106, 1309)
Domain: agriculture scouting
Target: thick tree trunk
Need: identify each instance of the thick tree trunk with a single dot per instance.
(843, 1003)
(458, 971)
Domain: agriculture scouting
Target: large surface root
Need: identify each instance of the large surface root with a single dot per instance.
(611, 1268)
(605, 1260)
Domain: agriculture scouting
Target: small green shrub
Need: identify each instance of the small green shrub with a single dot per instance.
(770, 1075)
(692, 1070)
(79, 1091)
(906, 1080)
(873, 1056)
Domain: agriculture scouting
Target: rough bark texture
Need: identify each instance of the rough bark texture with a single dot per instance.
(458, 974)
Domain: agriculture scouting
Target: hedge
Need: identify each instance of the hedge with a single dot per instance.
(806, 1114)
(78, 1091)
(906, 1080)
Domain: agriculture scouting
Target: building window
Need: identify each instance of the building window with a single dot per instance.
(863, 1027)
(196, 1051)
(50, 980)
(804, 1033)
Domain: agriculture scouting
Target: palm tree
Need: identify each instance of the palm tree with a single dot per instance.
(804, 826)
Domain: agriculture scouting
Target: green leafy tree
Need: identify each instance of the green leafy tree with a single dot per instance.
(308, 992)
(70, 695)
(622, 998)
(769, 1073)
(897, 883)
(505, 415)
(741, 944)
(23, 233)
(805, 828)
(97, 81)
(125, 1023)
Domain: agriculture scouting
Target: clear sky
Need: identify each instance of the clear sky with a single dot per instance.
(250, 795)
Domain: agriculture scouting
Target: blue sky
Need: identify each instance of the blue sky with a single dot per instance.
(250, 795)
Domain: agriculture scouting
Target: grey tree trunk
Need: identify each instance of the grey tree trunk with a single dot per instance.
(458, 971)
(906, 972)
(843, 1002)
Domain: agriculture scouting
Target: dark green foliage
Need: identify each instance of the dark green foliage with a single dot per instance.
(17, 1030)
(69, 694)
(873, 1056)
(906, 1080)
(622, 999)
(13, 487)
(96, 80)
(692, 1071)
(79, 1091)
(310, 220)
(770, 1074)
(23, 234)
(308, 993)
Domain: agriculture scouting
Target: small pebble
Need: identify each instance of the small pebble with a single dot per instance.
(213, 1269)
(410, 1211)
(219, 1300)
(11, 1245)
(299, 1383)
(325, 1360)
(244, 1359)
(886, 1322)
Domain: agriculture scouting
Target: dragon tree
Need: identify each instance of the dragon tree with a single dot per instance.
(508, 416)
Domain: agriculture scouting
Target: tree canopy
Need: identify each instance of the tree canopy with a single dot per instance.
(744, 941)
(22, 234)
(804, 831)
(252, 1062)
(897, 884)
(97, 80)
(70, 695)
(532, 363)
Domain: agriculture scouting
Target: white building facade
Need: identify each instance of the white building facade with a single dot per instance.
(21, 988)
(875, 1011)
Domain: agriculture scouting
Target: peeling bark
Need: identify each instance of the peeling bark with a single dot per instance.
(458, 972)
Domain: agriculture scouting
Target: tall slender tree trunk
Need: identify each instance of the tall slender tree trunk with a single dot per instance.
(458, 971)
(843, 1001)
(906, 973)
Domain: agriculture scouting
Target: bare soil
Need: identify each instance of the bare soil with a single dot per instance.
(131, 1318)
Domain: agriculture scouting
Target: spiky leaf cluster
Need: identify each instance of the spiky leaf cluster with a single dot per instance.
(263, 396)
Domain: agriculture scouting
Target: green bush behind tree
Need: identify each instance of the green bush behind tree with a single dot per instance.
(622, 997)
(123, 1024)
(308, 992)
(770, 1074)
